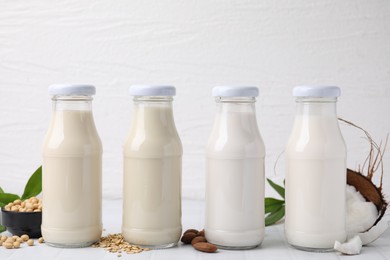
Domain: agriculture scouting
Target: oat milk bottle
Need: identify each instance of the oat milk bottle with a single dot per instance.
(315, 172)
(72, 168)
(152, 170)
(235, 171)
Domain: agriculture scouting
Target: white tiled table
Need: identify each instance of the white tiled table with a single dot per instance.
(273, 247)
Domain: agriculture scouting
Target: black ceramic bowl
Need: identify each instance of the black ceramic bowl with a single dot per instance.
(20, 223)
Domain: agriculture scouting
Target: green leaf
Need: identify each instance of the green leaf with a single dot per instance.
(272, 204)
(2, 228)
(34, 184)
(279, 189)
(1, 190)
(6, 198)
(275, 216)
(2, 204)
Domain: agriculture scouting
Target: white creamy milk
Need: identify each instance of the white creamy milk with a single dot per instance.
(152, 171)
(71, 180)
(316, 172)
(235, 172)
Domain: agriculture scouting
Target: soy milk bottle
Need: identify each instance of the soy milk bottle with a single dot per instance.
(235, 171)
(315, 172)
(72, 165)
(152, 170)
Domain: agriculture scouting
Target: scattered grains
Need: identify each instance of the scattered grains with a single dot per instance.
(115, 243)
(25, 237)
(16, 241)
(41, 240)
(16, 244)
(10, 240)
(8, 245)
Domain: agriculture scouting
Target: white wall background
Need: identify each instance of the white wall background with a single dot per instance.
(193, 45)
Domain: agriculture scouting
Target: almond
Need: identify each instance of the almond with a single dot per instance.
(191, 230)
(201, 233)
(205, 247)
(187, 237)
(198, 239)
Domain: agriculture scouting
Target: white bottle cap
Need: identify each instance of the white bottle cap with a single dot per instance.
(235, 91)
(152, 90)
(316, 91)
(72, 90)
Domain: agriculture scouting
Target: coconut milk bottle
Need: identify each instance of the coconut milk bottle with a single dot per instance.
(315, 172)
(235, 171)
(152, 170)
(72, 165)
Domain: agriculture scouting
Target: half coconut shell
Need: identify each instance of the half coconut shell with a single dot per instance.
(368, 190)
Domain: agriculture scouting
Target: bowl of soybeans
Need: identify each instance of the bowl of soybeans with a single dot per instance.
(23, 217)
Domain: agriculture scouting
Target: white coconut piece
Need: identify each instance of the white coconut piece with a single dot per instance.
(361, 214)
(374, 233)
(351, 247)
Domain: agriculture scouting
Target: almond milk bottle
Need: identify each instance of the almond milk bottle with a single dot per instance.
(152, 170)
(235, 172)
(315, 172)
(72, 165)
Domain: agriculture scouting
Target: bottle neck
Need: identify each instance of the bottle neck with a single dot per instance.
(72, 119)
(318, 107)
(146, 102)
(236, 105)
(75, 103)
(235, 116)
(153, 101)
(235, 133)
(152, 113)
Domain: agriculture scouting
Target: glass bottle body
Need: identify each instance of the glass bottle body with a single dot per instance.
(235, 176)
(152, 175)
(71, 178)
(315, 177)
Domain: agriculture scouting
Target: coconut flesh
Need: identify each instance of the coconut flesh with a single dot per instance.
(361, 214)
(364, 222)
(351, 247)
(365, 201)
(365, 208)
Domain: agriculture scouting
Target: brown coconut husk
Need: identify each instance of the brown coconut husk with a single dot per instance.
(363, 182)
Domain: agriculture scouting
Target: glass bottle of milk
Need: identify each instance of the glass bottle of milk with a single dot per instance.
(152, 170)
(315, 172)
(72, 166)
(235, 171)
